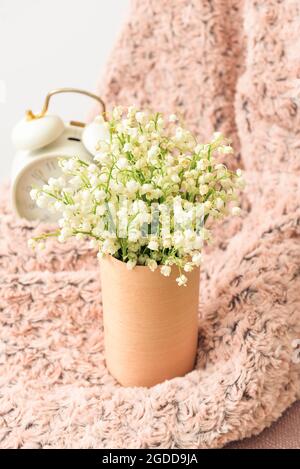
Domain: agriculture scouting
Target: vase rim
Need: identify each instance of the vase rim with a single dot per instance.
(144, 269)
(119, 262)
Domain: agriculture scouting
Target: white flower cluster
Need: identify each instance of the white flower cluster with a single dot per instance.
(147, 195)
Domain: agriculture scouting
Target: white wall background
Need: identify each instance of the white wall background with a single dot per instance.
(46, 44)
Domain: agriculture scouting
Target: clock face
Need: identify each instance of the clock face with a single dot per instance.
(35, 175)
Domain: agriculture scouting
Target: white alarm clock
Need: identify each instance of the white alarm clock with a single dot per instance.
(40, 141)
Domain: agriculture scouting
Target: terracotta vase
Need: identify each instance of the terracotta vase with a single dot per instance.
(150, 323)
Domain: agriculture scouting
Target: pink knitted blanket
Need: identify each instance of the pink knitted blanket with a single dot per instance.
(225, 65)
(55, 390)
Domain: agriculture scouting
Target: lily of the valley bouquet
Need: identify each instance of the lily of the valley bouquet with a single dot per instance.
(146, 197)
(145, 201)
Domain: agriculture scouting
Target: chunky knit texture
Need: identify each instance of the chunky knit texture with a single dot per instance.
(230, 66)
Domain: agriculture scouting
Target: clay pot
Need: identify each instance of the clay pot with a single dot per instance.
(150, 323)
